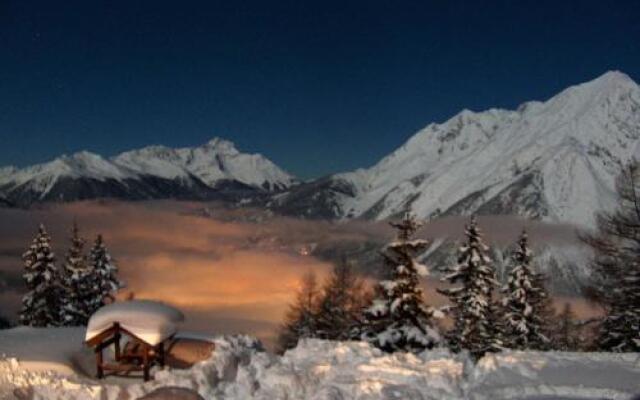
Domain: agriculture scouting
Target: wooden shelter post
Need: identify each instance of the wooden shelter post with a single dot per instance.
(138, 355)
(145, 361)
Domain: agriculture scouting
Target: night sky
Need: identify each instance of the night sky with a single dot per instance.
(318, 87)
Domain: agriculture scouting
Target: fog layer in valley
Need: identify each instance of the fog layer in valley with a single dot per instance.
(229, 270)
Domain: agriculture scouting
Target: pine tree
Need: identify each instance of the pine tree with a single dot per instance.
(545, 310)
(565, 337)
(475, 314)
(40, 305)
(300, 320)
(398, 319)
(616, 266)
(77, 281)
(341, 303)
(104, 274)
(525, 299)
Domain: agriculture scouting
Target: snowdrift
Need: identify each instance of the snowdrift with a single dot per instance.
(322, 370)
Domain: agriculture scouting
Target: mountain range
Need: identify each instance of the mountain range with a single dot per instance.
(554, 160)
(215, 170)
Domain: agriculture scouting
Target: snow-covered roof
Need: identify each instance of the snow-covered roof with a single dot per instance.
(150, 321)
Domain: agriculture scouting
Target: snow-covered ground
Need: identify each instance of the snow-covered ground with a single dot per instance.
(40, 361)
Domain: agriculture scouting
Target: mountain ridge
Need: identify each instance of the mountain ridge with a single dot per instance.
(215, 170)
(554, 160)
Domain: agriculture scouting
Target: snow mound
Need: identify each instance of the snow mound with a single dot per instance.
(151, 321)
(40, 349)
(351, 370)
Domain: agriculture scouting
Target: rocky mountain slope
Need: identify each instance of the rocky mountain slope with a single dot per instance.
(554, 161)
(215, 170)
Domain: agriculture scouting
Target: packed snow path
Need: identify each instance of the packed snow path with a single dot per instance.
(323, 370)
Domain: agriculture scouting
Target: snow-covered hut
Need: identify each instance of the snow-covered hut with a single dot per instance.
(148, 325)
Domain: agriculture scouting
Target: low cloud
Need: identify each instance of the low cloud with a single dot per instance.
(168, 251)
(229, 270)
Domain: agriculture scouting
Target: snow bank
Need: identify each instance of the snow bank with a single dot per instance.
(151, 321)
(37, 356)
(519, 375)
(239, 369)
(41, 349)
(60, 383)
(354, 370)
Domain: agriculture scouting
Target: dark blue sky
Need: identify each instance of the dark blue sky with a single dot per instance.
(318, 87)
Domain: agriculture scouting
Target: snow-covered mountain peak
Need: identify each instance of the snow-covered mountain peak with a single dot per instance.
(153, 150)
(153, 160)
(35, 182)
(604, 92)
(600, 116)
(606, 85)
(616, 78)
(82, 158)
(220, 145)
(144, 154)
(80, 164)
(219, 160)
(215, 161)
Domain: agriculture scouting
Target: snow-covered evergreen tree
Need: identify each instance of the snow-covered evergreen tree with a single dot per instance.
(40, 305)
(476, 327)
(341, 303)
(399, 319)
(104, 274)
(524, 302)
(620, 330)
(78, 300)
(300, 321)
(616, 266)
